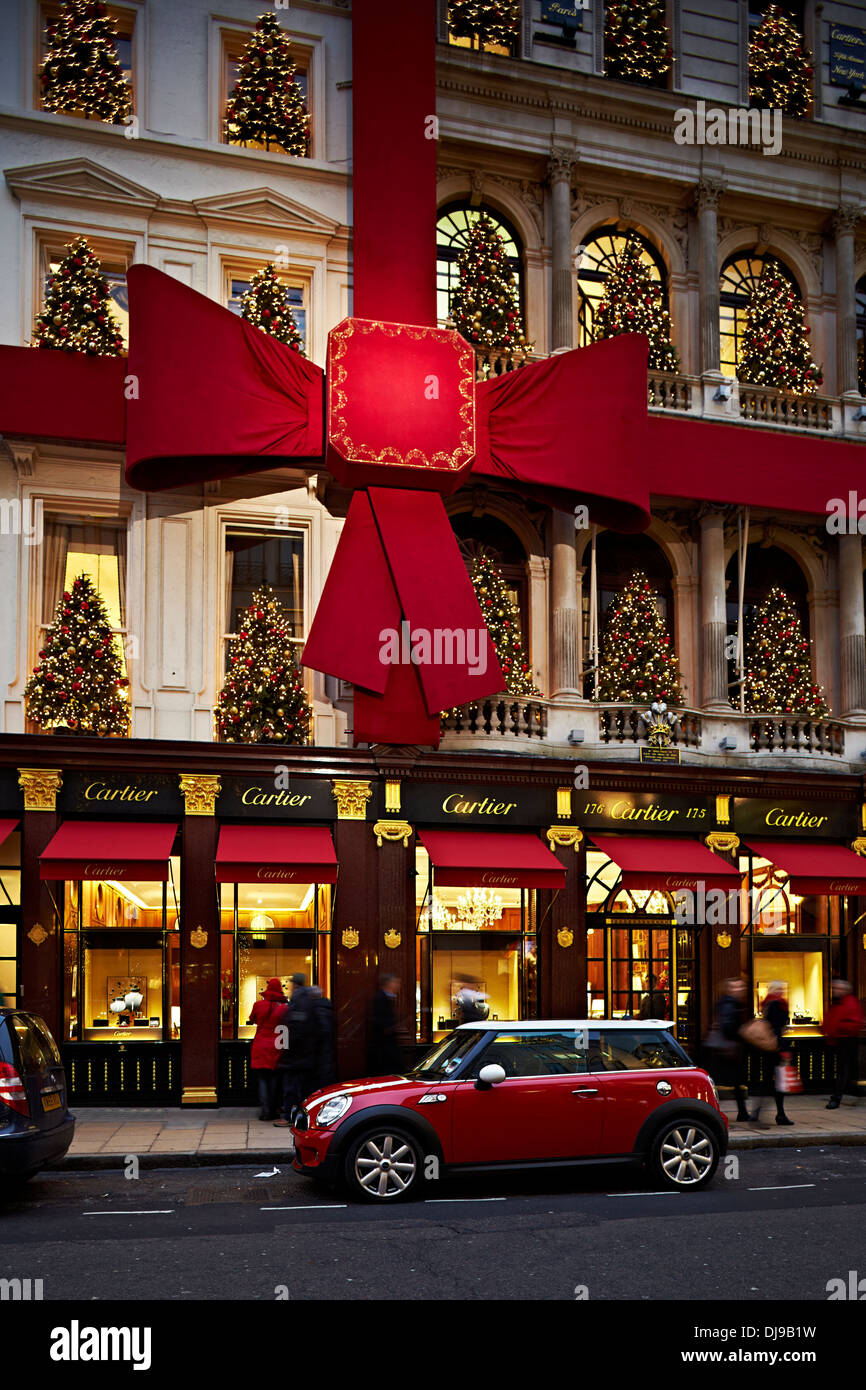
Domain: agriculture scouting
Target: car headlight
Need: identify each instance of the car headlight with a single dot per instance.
(333, 1110)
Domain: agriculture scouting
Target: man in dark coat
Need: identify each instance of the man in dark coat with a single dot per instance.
(775, 1011)
(731, 1061)
(383, 1049)
(297, 1061)
(324, 1052)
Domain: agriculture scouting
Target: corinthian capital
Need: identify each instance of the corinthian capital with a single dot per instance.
(846, 217)
(560, 163)
(708, 192)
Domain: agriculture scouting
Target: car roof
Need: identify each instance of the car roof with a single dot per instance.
(534, 1024)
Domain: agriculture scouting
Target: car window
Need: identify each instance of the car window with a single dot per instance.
(446, 1056)
(36, 1054)
(559, 1053)
(6, 1054)
(48, 1044)
(624, 1049)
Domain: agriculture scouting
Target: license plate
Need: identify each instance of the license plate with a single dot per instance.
(51, 1102)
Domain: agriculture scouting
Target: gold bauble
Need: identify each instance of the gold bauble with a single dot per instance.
(763, 674)
(70, 651)
(281, 714)
(99, 677)
(94, 705)
(266, 671)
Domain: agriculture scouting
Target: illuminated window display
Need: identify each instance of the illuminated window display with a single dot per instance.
(10, 911)
(472, 939)
(270, 930)
(121, 971)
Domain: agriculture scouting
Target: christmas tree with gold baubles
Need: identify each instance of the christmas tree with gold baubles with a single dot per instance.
(263, 698)
(637, 661)
(79, 684)
(637, 44)
(779, 662)
(502, 619)
(486, 21)
(266, 304)
(81, 74)
(78, 316)
(266, 105)
(485, 308)
(632, 303)
(781, 68)
(776, 350)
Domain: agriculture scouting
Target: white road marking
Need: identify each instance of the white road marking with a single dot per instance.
(430, 1201)
(162, 1211)
(644, 1194)
(783, 1187)
(328, 1206)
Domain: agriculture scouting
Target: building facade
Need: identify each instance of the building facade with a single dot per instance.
(388, 867)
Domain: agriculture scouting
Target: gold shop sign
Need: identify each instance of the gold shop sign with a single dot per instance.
(119, 793)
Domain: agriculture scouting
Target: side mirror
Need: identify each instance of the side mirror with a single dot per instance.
(491, 1075)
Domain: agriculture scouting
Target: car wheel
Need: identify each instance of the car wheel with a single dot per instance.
(685, 1154)
(384, 1165)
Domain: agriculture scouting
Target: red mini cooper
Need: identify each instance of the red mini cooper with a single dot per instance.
(520, 1095)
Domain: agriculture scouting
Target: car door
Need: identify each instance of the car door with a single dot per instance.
(637, 1070)
(547, 1107)
(41, 1070)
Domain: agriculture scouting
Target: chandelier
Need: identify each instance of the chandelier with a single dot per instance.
(478, 908)
(260, 925)
(437, 917)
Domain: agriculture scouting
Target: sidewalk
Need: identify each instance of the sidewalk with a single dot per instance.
(194, 1138)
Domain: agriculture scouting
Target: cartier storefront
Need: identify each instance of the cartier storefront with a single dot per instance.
(148, 890)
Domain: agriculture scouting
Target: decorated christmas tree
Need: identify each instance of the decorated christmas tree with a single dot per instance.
(503, 623)
(79, 681)
(266, 304)
(484, 304)
(78, 316)
(487, 21)
(775, 350)
(263, 699)
(779, 662)
(633, 304)
(81, 74)
(636, 661)
(780, 66)
(637, 46)
(266, 105)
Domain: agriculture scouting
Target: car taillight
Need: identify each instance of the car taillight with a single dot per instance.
(12, 1092)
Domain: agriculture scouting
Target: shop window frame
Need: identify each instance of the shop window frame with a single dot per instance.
(308, 58)
(115, 255)
(10, 915)
(651, 255)
(129, 18)
(243, 269)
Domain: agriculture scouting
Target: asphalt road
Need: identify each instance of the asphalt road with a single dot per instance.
(780, 1227)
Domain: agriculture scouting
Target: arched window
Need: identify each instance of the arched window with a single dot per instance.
(597, 258)
(766, 567)
(740, 274)
(489, 536)
(617, 557)
(861, 334)
(452, 234)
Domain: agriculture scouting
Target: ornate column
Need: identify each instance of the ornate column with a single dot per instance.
(356, 939)
(199, 942)
(707, 195)
(41, 934)
(559, 168)
(565, 676)
(852, 628)
(844, 226)
(714, 682)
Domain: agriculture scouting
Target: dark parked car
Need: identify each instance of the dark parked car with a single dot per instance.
(36, 1128)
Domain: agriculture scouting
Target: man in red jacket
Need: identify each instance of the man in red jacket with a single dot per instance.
(844, 1026)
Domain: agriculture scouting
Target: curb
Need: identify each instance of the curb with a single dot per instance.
(103, 1163)
(794, 1141)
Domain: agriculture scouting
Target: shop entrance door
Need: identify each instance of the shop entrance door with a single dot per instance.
(652, 973)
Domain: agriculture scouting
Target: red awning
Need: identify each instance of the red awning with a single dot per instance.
(95, 849)
(666, 864)
(483, 859)
(814, 868)
(6, 828)
(276, 854)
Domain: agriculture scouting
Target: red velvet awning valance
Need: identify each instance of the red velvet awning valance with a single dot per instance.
(486, 859)
(814, 868)
(6, 828)
(666, 864)
(88, 849)
(275, 854)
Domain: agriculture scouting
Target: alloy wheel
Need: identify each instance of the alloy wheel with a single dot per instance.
(385, 1166)
(686, 1154)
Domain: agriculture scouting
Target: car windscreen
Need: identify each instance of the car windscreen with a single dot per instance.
(446, 1056)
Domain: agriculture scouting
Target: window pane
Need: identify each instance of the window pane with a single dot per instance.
(7, 984)
(253, 560)
(535, 1054)
(624, 1050)
(279, 955)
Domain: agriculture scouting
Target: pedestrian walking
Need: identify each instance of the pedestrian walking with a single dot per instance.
(296, 1062)
(654, 1003)
(774, 1010)
(324, 1068)
(383, 1045)
(471, 1005)
(726, 1045)
(844, 1026)
(267, 1014)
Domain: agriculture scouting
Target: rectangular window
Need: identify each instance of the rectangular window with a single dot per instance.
(10, 916)
(122, 959)
(255, 558)
(534, 1054)
(124, 20)
(233, 45)
(95, 547)
(619, 1049)
(113, 260)
(801, 974)
(238, 284)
